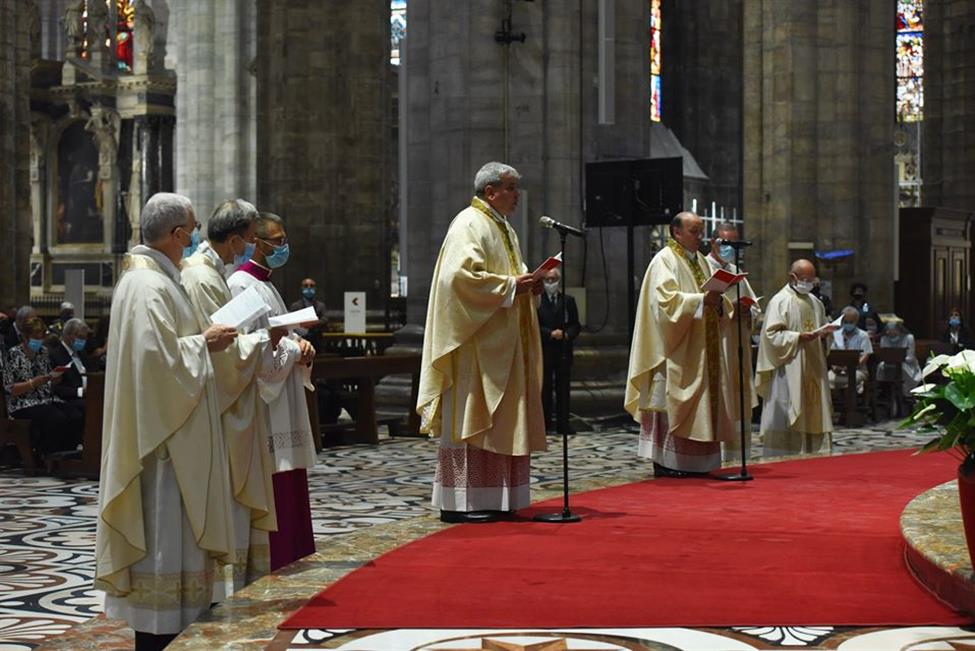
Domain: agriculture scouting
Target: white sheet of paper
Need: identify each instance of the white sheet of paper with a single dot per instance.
(294, 318)
(241, 310)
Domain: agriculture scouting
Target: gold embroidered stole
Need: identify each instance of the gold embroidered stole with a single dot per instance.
(711, 335)
(523, 302)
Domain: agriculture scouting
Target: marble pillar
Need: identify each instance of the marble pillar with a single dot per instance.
(324, 129)
(211, 46)
(818, 141)
(537, 111)
(16, 228)
(948, 142)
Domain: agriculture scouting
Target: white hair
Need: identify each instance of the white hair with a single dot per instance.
(73, 327)
(162, 214)
(850, 311)
(67, 306)
(490, 174)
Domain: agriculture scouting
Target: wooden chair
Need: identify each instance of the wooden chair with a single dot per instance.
(16, 432)
(845, 400)
(88, 463)
(888, 391)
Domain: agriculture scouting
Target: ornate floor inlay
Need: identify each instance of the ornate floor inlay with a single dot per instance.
(47, 532)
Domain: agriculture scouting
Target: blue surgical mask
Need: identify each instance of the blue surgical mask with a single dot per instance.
(849, 327)
(279, 257)
(308, 292)
(246, 255)
(35, 344)
(954, 322)
(727, 252)
(194, 242)
(79, 345)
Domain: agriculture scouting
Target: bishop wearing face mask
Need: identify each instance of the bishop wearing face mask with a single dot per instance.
(290, 440)
(791, 376)
(553, 332)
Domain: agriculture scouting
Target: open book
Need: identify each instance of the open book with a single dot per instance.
(305, 315)
(58, 371)
(748, 302)
(721, 280)
(832, 326)
(549, 263)
(241, 310)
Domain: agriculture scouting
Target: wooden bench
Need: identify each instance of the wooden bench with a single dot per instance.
(366, 372)
(16, 432)
(850, 360)
(887, 393)
(90, 461)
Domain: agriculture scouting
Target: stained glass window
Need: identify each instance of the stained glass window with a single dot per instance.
(125, 21)
(397, 28)
(910, 60)
(910, 100)
(655, 69)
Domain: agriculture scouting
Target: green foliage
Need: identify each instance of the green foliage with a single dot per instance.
(947, 409)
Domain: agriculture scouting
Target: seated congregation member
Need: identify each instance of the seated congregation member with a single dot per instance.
(12, 337)
(56, 329)
(164, 498)
(896, 336)
(850, 337)
(797, 415)
(957, 333)
(27, 381)
(70, 351)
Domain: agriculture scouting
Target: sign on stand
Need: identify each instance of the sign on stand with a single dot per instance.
(355, 312)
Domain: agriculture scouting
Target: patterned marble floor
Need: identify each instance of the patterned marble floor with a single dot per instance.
(47, 540)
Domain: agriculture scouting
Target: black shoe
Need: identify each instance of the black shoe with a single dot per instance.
(664, 471)
(471, 517)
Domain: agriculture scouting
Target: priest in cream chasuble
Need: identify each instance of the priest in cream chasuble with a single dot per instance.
(722, 256)
(282, 388)
(677, 371)
(791, 375)
(165, 498)
(244, 418)
(481, 372)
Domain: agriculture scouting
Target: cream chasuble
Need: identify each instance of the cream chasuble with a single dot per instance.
(283, 386)
(791, 377)
(472, 341)
(162, 453)
(676, 361)
(244, 419)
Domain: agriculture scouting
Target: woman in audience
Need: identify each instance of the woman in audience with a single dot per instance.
(957, 334)
(27, 379)
(896, 336)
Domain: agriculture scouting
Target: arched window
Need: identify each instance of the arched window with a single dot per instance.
(910, 100)
(655, 69)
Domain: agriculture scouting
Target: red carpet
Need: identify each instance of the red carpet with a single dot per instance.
(811, 542)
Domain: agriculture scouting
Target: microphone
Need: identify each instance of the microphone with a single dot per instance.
(735, 244)
(548, 222)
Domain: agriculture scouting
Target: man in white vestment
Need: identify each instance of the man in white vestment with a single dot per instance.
(791, 374)
(165, 498)
(722, 256)
(678, 377)
(244, 417)
(481, 372)
(850, 337)
(290, 440)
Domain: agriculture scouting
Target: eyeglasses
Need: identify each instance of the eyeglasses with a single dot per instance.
(196, 227)
(276, 241)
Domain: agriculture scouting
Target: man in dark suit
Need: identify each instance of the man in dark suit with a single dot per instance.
(69, 349)
(308, 299)
(554, 331)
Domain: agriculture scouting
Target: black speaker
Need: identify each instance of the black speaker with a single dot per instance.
(639, 192)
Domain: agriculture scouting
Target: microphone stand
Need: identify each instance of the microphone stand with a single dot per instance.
(562, 406)
(742, 474)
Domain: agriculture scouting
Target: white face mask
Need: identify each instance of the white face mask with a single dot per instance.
(802, 286)
(551, 287)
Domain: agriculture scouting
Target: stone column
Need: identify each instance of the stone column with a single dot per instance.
(16, 228)
(702, 89)
(213, 45)
(458, 121)
(155, 143)
(324, 119)
(818, 141)
(948, 143)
